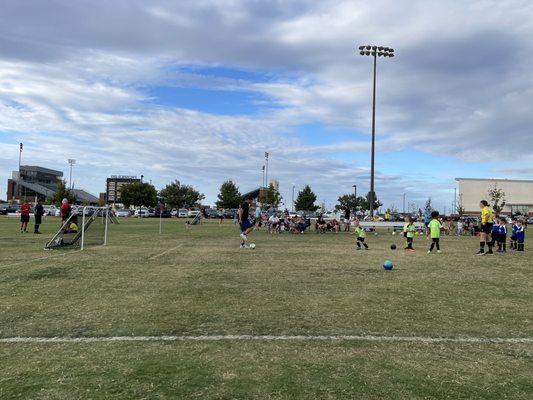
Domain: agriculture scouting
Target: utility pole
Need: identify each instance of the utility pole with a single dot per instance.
(266, 169)
(293, 196)
(263, 181)
(71, 162)
(404, 203)
(20, 177)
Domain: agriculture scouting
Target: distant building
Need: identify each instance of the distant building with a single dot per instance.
(33, 182)
(518, 194)
(36, 182)
(113, 185)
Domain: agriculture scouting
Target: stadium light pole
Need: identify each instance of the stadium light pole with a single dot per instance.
(19, 178)
(71, 162)
(293, 186)
(355, 194)
(374, 51)
(266, 168)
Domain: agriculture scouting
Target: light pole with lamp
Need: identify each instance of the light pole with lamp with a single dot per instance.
(293, 186)
(140, 205)
(71, 162)
(374, 51)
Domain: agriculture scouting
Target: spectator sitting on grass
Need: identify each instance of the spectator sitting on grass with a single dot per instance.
(321, 224)
(273, 224)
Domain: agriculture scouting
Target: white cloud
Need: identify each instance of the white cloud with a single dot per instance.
(73, 79)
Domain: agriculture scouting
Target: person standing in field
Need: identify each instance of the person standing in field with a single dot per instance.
(65, 211)
(434, 227)
(487, 221)
(244, 221)
(347, 219)
(409, 231)
(258, 217)
(24, 216)
(38, 213)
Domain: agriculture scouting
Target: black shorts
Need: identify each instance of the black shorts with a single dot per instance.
(487, 227)
(24, 218)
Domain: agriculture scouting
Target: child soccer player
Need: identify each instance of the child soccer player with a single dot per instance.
(434, 231)
(361, 235)
(409, 232)
(514, 227)
(495, 232)
(502, 236)
(244, 221)
(520, 235)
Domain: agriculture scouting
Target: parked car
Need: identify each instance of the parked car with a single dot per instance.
(142, 213)
(183, 213)
(213, 213)
(50, 210)
(174, 212)
(530, 221)
(164, 214)
(9, 209)
(193, 212)
(229, 213)
(123, 213)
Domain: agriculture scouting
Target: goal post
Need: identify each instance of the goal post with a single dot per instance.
(92, 231)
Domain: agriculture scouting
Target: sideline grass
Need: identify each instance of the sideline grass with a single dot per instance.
(197, 282)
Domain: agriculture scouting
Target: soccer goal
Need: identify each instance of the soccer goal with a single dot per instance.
(85, 227)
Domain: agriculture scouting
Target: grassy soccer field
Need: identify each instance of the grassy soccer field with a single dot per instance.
(198, 282)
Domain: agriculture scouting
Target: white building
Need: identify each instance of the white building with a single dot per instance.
(518, 194)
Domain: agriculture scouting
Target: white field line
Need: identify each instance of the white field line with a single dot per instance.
(165, 252)
(268, 338)
(39, 259)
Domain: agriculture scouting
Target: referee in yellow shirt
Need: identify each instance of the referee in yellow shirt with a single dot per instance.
(487, 221)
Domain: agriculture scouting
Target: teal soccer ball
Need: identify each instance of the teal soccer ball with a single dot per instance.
(388, 265)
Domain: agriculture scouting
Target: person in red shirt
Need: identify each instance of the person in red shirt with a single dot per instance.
(24, 216)
(65, 211)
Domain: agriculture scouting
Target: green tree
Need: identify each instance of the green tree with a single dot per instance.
(349, 200)
(178, 195)
(62, 193)
(365, 202)
(271, 197)
(138, 194)
(306, 200)
(229, 196)
(497, 198)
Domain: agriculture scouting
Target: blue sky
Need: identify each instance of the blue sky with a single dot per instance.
(199, 91)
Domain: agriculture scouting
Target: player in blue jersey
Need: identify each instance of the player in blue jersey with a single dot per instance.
(502, 236)
(514, 227)
(520, 235)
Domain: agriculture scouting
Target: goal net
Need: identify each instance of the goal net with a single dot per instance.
(85, 227)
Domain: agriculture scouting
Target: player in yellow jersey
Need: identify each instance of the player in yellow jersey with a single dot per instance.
(487, 221)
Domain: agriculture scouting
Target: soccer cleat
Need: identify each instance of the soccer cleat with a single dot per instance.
(438, 251)
(242, 246)
(429, 251)
(480, 253)
(490, 253)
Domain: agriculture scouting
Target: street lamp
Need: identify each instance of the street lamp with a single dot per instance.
(293, 186)
(374, 51)
(266, 168)
(71, 162)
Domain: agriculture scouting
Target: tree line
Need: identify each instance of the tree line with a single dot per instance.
(178, 195)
